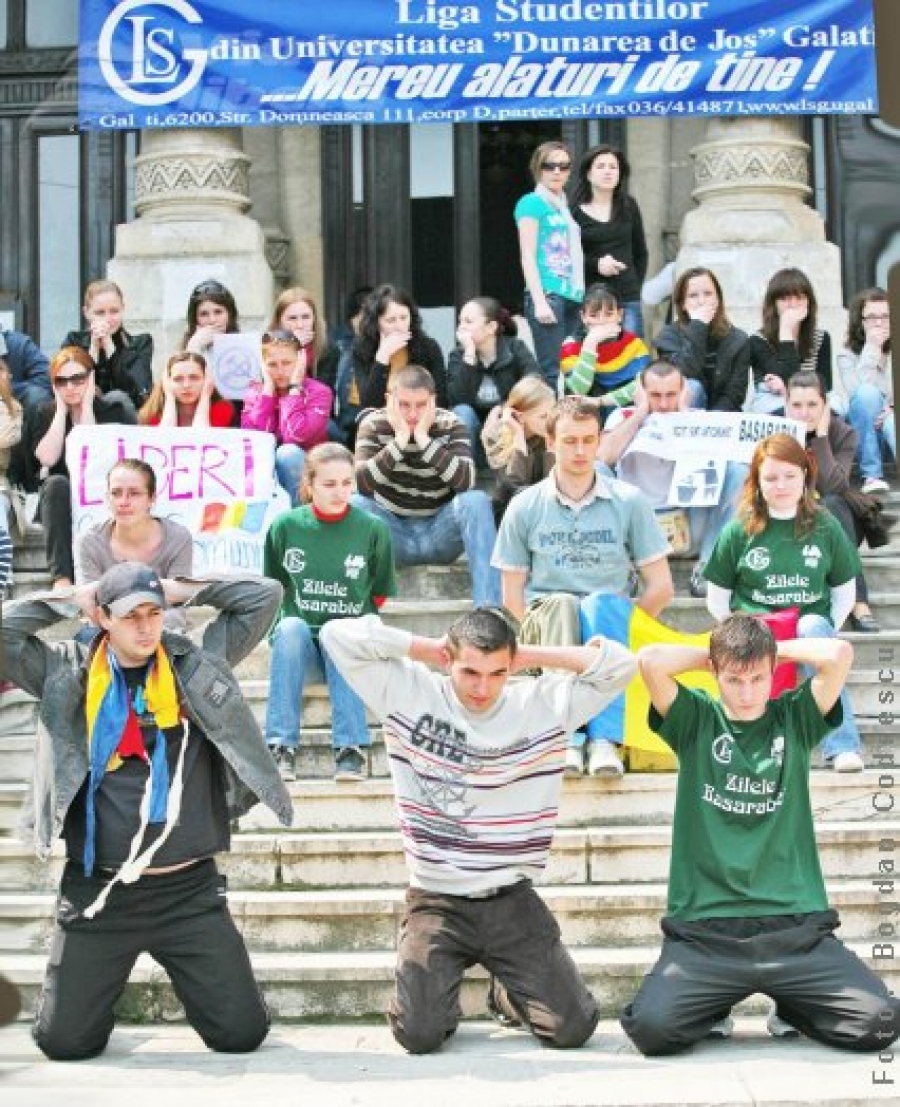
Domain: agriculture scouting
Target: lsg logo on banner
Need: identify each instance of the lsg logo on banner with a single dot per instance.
(156, 56)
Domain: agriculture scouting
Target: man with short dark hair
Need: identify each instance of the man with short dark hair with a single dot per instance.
(477, 763)
(145, 752)
(572, 536)
(747, 909)
(663, 390)
(414, 469)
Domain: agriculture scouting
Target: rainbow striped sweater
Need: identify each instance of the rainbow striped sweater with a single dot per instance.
(617, 362)
(477, 793)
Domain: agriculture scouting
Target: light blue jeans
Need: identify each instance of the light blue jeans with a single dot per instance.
(466, 523)
(549, 337)
(297, 657)
(289, 461)
(846, 738)
(866, 404)
(707, 522)
(633, 317)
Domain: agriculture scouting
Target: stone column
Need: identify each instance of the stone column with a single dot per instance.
(753, 219)
(191, 200)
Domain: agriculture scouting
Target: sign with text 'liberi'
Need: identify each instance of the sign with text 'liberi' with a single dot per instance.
(192, 63)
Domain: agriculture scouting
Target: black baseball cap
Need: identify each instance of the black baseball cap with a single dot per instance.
(127, 585)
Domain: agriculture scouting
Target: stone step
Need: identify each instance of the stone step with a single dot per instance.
(350, 920)
(320, 985)
(618, 916)
(637, 798)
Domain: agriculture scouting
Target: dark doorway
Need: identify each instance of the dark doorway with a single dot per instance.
(504, 151)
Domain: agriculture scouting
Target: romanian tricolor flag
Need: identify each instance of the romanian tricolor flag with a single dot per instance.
(617, 362)
(619, 619)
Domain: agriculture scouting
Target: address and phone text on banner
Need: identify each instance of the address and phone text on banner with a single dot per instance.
(171, 63)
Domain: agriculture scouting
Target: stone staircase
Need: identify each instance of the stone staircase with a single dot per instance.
(319, 904)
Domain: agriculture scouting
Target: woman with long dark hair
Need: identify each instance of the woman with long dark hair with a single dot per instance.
(612, 230)
(833, 444)
(865, 371)
(701, 341)
(390, 337)
(783, 551)
(788, 340)
(211, 310)
(487, 360)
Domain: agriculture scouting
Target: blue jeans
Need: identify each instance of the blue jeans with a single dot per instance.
(466, 523)
(472, 421)
(549, 337)
(633, 317)
(289, 462)
(707, 522)
(846, 738)
(866, 404)
(296, 658)
(696, 394)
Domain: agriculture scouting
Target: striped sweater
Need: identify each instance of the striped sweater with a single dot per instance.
(414, 482)
(477, 793)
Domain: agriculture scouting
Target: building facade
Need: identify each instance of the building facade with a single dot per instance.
(428, 207)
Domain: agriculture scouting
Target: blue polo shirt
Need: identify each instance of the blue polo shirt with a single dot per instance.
(578, 548)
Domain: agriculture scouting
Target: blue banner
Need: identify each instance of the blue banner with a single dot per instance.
(172, 63)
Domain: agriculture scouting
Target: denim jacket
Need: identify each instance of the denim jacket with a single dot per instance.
(209, 693)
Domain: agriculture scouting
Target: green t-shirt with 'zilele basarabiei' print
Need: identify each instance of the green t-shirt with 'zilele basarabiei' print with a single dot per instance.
(775, 570)
(743, 843)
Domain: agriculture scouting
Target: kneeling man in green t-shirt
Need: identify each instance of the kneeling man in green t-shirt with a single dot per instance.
(747, 909)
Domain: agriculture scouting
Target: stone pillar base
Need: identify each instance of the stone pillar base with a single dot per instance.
(191, 193)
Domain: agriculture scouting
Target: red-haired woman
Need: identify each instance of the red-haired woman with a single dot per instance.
(785, 551)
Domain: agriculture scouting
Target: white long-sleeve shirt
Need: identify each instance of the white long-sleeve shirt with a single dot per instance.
(477, 793)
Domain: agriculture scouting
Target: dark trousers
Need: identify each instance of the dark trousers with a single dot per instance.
(819, 986)
(182, 920)
(516, 938)
(55, 513)
(840, 509)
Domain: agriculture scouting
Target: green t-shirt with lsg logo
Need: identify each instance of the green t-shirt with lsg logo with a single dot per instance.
(775, 570)
(743, 843)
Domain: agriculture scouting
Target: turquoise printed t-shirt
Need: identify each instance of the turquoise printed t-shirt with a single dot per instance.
(554, 261)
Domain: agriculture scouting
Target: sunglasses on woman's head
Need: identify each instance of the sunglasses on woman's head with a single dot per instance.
(280, 338)
(75, 379)
(209, 288)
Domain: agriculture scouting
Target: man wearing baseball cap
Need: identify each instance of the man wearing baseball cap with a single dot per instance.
(145, 752)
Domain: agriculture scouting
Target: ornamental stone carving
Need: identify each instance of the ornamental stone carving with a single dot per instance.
(743, 156)
(191, 168)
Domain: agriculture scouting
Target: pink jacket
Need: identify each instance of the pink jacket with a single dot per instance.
(300, 418)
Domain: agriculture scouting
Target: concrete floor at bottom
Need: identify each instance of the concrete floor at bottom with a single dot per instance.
(481, 1066)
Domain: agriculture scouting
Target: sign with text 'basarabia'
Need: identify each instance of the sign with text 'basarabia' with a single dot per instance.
(192, 63)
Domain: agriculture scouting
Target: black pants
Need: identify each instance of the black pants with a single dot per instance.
(55, 514)
(840, 509)
(182, 920)
(819, 986)
(516, 938)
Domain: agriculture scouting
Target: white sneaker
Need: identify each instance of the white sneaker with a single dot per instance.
(847, 762)
(722, 1029)
(574, 764)
(603, 759)
(871, 485)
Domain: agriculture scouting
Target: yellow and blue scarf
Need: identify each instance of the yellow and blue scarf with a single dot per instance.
(113, 731)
